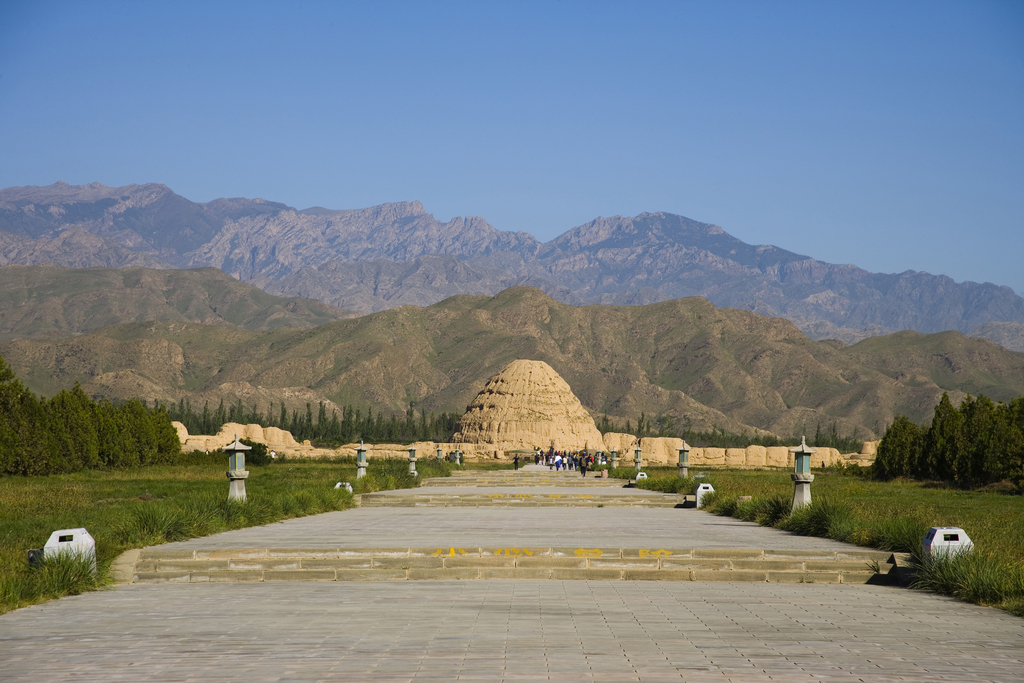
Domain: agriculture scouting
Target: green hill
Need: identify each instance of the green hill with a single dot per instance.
(49, 301)
(685, 358)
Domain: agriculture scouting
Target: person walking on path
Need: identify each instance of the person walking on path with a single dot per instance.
(583, 466)
(515, 461)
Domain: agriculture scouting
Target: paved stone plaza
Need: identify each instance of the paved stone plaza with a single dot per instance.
(510, 630)
(507, 630)
(567, 527)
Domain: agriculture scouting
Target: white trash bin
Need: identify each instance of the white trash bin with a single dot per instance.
(72, 542)
(945, 541)
(703, 490)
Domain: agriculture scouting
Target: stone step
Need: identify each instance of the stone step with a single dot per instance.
(386, 499)
(510, 481)
(465, 563)
(527, 479)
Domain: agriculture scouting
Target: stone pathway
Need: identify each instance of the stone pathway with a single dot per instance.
(528, 527)
(513, 629)
(521, 496)
(426, 534)
(509, 631)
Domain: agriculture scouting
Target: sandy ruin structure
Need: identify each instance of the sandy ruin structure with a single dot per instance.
(528, 405)
(279, 440)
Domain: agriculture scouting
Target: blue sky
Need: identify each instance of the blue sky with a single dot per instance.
(889, 135)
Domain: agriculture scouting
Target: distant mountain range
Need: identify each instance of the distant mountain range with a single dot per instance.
(367, 260)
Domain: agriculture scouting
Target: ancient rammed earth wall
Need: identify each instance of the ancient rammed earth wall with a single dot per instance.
(656, 450)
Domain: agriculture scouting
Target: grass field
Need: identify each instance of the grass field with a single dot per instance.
(125, 509)
(890, 515)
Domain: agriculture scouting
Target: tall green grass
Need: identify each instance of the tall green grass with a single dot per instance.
(973, 577)
(145, 506)
(57, 576)
(892, 516)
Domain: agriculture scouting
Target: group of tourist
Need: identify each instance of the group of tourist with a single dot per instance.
(565, 460)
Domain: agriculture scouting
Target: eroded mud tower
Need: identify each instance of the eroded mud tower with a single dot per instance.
(528, 405)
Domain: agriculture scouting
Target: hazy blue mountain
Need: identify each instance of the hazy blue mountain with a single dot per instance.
(405, 255)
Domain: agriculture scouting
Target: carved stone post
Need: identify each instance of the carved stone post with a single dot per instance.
(684, 460)
(237, 473)
(802, 476)
(361, 461)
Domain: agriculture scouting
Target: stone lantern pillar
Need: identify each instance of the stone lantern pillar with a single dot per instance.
(615, 459)
(638, 457)
(802, 476)
(458, 456)
(412, 461)
(361, 461)
(440, 454)
(684, 460)
(237, 473)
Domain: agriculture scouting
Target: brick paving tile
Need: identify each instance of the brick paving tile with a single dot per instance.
(509, 630)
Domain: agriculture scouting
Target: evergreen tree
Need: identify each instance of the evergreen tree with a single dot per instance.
(899, 453)
(944, 444)
(73, 421)
(115, 449)
(168, 445)
(979, 428)
(321, 421)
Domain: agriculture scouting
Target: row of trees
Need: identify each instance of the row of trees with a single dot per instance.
(71, 432)
(352, 425)
(973, 444)
(719, 438)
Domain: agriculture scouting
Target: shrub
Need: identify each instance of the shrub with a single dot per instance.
(259, 456)
(971, 576)
(772, 510)
(721, 504)
(198, 457)
(621, 472)
(151, 524)
(674, 484)
(55, 576)
(898, 534)
(825, 517)
(710, 501)
(201, 515)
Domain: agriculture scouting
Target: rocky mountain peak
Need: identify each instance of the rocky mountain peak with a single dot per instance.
(622, 260)
(61, 192)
